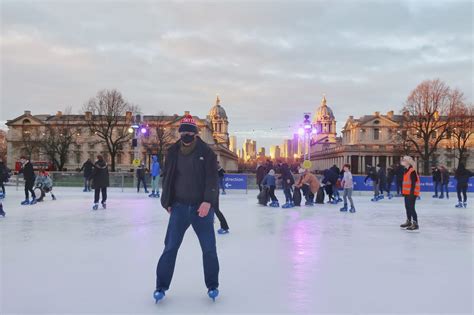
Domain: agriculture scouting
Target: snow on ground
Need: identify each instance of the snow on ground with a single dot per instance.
(61, 257)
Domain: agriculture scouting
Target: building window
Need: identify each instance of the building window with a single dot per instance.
(91, 146)
(376, 133)
(78, 157)
(449, 164)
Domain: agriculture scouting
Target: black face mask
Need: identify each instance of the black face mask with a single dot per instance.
(187, 139)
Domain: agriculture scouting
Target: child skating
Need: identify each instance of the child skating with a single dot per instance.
(270, 182)
(347, 184)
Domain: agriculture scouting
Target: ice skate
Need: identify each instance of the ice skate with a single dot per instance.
(375, 199)
(343, 209)
(2, 213)
(2, 196)
(25, 202)
(459, 205)
(85, 190)
(222, 231)
(389, 196)
(380, 197)
(309, 203)
(53, 197)
(275, 204)
(213, 294)
(224, 193)
(435, 196)
(152, 195)
(413, 226)
(158, 295)
(406, 224)
(95, 206)
(441, 197)
(287, 205)
(33, 201)
(104, 205)
(352, 210)
(465, 204)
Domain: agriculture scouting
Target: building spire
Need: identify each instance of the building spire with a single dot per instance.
(323, 101)
(218, 100)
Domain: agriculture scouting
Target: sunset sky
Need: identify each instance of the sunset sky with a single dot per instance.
(270, 61)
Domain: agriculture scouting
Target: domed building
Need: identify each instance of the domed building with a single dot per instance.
(220, 123)
(325, 124)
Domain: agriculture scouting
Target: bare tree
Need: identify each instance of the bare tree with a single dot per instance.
(163, 136)
(427, 117)
(58, 137)
(108, 120)
(462, 129)
(30, 141)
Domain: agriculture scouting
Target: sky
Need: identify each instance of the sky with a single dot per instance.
(269, 61)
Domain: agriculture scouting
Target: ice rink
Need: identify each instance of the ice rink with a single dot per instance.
(60, 257)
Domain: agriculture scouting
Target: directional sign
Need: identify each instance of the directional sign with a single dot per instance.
(136, 162)
(235, 181)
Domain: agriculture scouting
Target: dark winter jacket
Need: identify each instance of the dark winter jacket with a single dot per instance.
(269, 180)
(87, 168)
(4, 172)
(287, 178)
(261, 172)
(336, 170)
(220, 172)
(462, 176)
(100, 175)
(373, 175)
(400, 171)
(382, 177)
(390, 175)
(141, 172)
(28, 172)
(330, 177)
(444, 176)
(436, 175)
(205, 174)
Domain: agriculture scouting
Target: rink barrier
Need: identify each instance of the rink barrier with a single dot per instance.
(125, 180)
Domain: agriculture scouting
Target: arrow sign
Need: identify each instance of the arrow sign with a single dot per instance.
(235, 181)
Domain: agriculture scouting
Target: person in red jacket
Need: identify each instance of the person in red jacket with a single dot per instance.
(410, 190)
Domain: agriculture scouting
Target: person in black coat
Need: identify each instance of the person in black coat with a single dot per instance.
(399, 172)
(436, 180)
(462, 176)
(141, 177)
(29, 177)
(87, 169)
(4, 173)
(190, 195)
(287, 181)
(329, 181)
(381, 174)
(390, 178)
(336, 170)
(372, 174)
(261, 172)
(100, 181)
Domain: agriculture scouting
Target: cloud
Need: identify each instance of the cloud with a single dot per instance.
(269, 61)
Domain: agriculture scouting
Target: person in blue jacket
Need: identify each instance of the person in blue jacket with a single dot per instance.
(155, 177)
(270, 182)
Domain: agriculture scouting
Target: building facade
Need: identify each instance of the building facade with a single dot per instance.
(24, 129)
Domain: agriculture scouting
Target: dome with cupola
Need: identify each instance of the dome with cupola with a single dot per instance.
(323, 112)
(217, 111)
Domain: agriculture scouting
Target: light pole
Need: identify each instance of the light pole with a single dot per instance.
(307, 131)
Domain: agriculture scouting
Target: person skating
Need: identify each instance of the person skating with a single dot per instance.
(336, 194)
(462, 176)
(87, 169)
(269, 181)
(399, 171)
(309, 184)
(44, 184)
(155, 177)
(29, 177)
(382, 178)
(190, 194)
(435, 171)
(221, 173)
(261, 172)
(2, 212)
(390, 178)
(141, 177)
(4, 174)
(330, 181)
(287, 181)
(100, 182)
(347, 184)
(410, 191)
(372, 174)
(444, 182)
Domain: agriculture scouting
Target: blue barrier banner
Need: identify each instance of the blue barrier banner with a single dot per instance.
(235, 181)
(426, 184)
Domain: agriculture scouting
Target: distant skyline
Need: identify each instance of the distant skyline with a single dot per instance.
(269, 61)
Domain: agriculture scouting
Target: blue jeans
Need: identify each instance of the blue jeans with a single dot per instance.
(444, 187)
(181, 217)
(436, 185)
(141, 180)
(287, 192)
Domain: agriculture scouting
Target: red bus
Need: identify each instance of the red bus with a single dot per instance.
(37, 165)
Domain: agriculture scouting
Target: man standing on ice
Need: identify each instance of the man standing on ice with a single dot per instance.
(190, 192)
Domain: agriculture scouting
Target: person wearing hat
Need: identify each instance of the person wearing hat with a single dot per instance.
(309, 184)
(190, 194)
(410, 190)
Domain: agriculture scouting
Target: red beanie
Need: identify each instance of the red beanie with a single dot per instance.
(188, 124)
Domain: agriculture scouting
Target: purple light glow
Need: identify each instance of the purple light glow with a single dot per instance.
(143, 130)
(301, 131)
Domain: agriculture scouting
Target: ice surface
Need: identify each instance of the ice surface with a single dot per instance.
(61, 257)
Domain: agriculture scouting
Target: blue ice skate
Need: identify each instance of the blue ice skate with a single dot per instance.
(104, 205)
(152, 195)
(375, 199)
(213, 294)
(459, 205)
(352, 210)
(343, 209)
(222, 231)
(33, 201)
(158, 295)
(2, 196)
(309, 203)
(95, 206)
(275, 204)
(25, 202)
(287, 205)
(465, 204)
(381, 196)
(435, 196)
(389, 196)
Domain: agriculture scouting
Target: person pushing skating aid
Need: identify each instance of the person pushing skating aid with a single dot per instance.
(190, 194)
